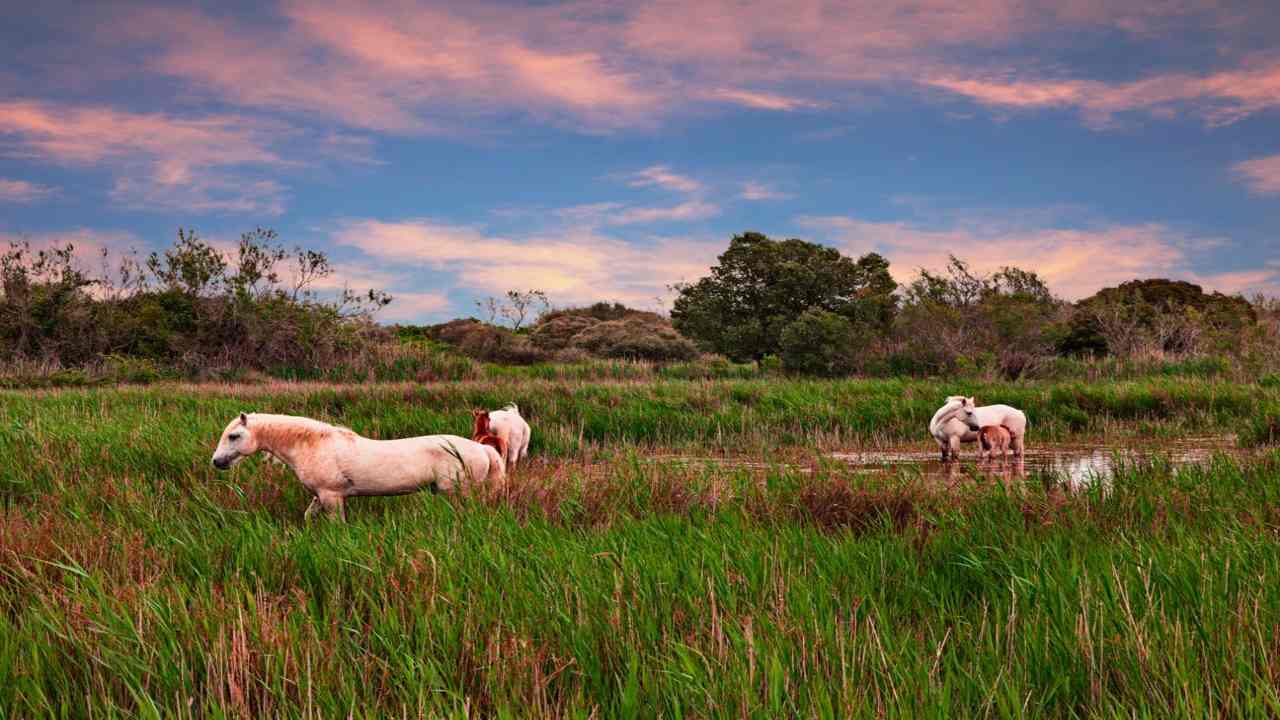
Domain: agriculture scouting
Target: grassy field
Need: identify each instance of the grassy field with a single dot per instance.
(137, 581)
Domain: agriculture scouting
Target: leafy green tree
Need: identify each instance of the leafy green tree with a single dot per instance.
(821, 342)
(760, 285)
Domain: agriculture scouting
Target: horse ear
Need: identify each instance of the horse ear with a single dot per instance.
(244, 419)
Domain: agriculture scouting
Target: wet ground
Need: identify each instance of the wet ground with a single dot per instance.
(1076, 465)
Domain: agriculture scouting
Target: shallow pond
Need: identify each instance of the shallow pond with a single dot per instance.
(1076, 465)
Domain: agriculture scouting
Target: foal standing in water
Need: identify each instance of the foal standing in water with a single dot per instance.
(335, 463)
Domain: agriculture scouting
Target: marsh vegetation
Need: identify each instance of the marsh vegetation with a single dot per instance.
(612, 579)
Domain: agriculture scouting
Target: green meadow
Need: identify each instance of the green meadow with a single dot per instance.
(604, 581)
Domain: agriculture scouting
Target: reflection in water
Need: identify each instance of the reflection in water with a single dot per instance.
(1075, 466)
(1070, 466)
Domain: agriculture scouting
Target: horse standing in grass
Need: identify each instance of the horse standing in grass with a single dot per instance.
(335, 463)
(508, 426)
(483, 434)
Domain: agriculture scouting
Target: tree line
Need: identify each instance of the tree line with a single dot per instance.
(789, 305)
(814, 310)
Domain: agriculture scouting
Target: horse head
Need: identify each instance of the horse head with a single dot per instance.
(969, 413)
(480, 424)
(237, 442)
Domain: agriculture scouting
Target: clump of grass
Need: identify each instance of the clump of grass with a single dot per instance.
(1263, 428)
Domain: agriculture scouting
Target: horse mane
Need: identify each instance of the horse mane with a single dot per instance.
(953, 407)
(480, 426)
(279, 431)
(494, 442)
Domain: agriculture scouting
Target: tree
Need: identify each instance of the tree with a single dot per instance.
(760, 285)
(521, 305)
(820, 342)
(191, 266)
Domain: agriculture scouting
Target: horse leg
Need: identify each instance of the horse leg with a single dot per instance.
(1017, 445)
(333, 503)
(954, 442)
(312, 509)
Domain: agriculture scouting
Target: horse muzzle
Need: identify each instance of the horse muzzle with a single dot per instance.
(221, 463)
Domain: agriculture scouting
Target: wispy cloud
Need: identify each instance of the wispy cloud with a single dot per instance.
(684, 212)
(572, 266)
(157, 159)
(766, 100)
(401, 67)
(1075, 262)
(752, 190)
(663, 177)
(409, 67)
(414, 306)
(1219, 98)
(22, 191)
(1261, 175)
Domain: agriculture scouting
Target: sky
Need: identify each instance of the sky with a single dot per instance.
(601, 150)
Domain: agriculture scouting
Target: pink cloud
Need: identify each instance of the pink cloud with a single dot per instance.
(752, 190)
(1075, 263)
(663, 177)
(686, 211)
(597, 65)
(766, 101)
(1246, 282)
(1220, 98)
(22, 191)
(572, 266)
(594, 215)
(1261, 175)
(396, 67)
(413, 306)
(162, 159)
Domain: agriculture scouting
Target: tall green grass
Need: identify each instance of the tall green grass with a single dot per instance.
(135, 581)
(180, 423)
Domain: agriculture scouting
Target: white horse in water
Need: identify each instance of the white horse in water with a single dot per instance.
(335, 463)
(960, 420)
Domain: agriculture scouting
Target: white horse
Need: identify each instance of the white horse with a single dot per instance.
(960, 420)
(335, 463)
(950, 427)
(514, 431)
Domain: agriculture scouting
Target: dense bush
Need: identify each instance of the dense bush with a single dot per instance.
(1155, 316)
(188, 308)
(557, 333)
(639, 337)
(601, 331)
(820, 342)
